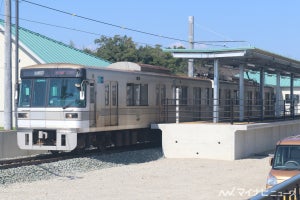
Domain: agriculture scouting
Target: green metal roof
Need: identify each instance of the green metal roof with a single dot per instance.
(270, 79)
(49, 50)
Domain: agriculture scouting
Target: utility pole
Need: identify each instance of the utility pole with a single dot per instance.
(191, 42)
(7, 69)
(16, 61)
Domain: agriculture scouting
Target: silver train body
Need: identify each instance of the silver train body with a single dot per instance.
(64, 106)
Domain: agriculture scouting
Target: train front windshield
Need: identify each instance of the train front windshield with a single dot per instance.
(50, 92)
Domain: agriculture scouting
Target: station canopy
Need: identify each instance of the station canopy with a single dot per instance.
(251, 58)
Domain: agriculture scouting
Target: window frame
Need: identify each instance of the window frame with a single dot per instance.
(137, 94)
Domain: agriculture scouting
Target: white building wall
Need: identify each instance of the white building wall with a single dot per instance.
(25, 60)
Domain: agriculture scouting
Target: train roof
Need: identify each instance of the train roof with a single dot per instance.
(121, 67)
(136, 68)
(130, 66)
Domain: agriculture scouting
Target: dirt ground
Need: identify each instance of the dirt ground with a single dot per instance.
(161, 179)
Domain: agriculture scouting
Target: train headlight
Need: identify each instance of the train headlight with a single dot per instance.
(71, 115)
(23, 115)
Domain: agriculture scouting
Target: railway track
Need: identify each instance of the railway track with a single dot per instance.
(48, 158)
(35, 160)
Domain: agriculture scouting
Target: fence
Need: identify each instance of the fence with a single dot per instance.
(228, 110)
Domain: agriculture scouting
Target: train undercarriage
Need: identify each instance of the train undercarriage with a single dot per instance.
(118, 138)
(51, 139)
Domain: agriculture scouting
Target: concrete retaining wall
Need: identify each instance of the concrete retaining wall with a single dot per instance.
(223, 141)
(9, 147)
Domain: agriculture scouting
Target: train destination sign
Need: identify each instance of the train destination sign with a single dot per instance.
(59, 72)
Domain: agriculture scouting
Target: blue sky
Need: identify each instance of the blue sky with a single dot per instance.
(271, 25)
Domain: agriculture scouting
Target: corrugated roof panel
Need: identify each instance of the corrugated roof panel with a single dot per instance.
(52, 51)
(271, 79)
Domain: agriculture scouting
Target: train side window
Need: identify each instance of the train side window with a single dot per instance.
(106, 94)
(256, 98)
(92, 94)
(296, 98)
(144, 95)
(207, 96)
(137, 94)
(220, 97)
(267, 98)
(197, 95)
(236, 97)
(157, 92)
(249, 98)
(114, 92)
(129, 96)
(184, 95)
(288, 98)
(160, 94)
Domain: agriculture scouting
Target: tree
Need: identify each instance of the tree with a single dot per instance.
(122, 48)
(116, 49)
(89, 51)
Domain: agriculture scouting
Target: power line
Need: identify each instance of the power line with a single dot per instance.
(122, 27)
(105, 23)
(73, 29)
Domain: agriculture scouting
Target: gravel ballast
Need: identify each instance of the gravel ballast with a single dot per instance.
(69, 168)
(136, 175)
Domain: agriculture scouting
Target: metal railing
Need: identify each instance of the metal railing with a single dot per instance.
(228, 110)
(287, 190)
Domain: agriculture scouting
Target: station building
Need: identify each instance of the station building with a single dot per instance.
(35, 48)
(238, 140)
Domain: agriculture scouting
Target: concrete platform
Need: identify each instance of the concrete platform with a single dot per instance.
(9, 147)
(223, 141)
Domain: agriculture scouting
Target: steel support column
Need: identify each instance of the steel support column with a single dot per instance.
(242, 94)
(191, 41)
(292, 99)
(278, 94)
(7, 96)
(216, 92)
(16, 61)
(262, 92)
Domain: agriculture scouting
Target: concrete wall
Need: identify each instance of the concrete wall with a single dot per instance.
(9, 147)
(263, 137)
(223, 141)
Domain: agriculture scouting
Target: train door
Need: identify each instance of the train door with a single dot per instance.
(111, 104)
